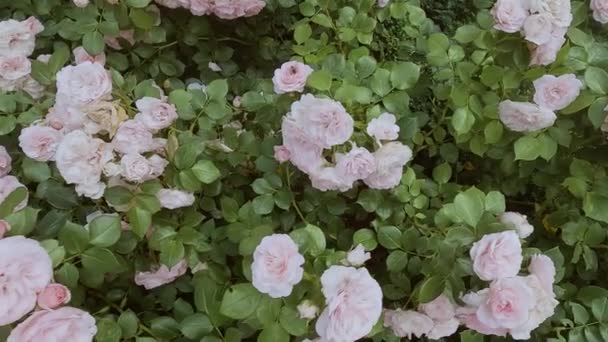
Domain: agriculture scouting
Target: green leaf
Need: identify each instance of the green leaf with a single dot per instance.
(108, 331)
(273, 333)
(217, 90)
(405, 75)
(292, 323)
(581, 316)
(599, 308)
(396, 261)
(171, 252)
(138, 3)
(320, 80)
(142, 18)
(389, 237)
(431, 288)
(186, 155)
(463, 120)
(67, 275)
(129, 323)
(310, 239)
(527, 148)
(240, 301)
(74, 237)
(104, 230)
(596, 206)
(206, 171)
(102, 260)
(323, 20)
(302, 32)
(366, 238)
(442, 173)
(467, 33)
(495, 202)
(597, 79)
(196, 326)
(11, 201)
(93, 42)
(140, 221)
(493, 131)
(469, 206)
(596, 112)
(35, 170)
(263, 204)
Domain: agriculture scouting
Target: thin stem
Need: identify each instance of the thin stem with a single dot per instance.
(293, 196)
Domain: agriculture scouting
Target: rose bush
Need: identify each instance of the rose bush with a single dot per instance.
(311, 170)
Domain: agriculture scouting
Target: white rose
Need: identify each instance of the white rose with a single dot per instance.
(407, 323)
(91, 190)
(358, 256)
(277, 265)
(390, 159)
(537, 28)
(525, 116)
(173, 199)
(18, 38)
(518, 222)
(383, 127)
(83, 85)
(307, 310)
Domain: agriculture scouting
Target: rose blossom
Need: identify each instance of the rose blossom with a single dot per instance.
(556, 93)
(307, 310)
(325, 122)
(18, 38)
(525, 116)
(383, 127)
(154, 113)
(53, 296)
(25, 269)
(104, 117)
(170, 3)
(8, 184)
(600, 10)
(92, 190)
(230, 9)
(357, 256)
(303, 152)
(291, 77)
(63, 324)
(560, 11)
(537, 28)
(497, 255)
(5, 162)
(357, 164)
(543, 268)
(157, 166)
(80, 158)
(407, 323)
(509, 15)
(163, 275)
(328, 179)
(13, 68)
(543, 308)
(439, 309)
(135, 167)
(39, 143)
(173, 199)
(468, 314)
(83, 85)
(507, 304)
(133, 137)
(546, 54)
(518, 222)
(277, 265)
(125, 35)
(5, 227)
(354, 304)
(32, 87)
(443, 328)
(81, 55)
(390, 159)
(281, 153)
(200, 7)
(81, 3)
(65, 118)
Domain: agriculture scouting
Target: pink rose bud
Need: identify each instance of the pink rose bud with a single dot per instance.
(53, 296)
(5, 227)
(281, 154)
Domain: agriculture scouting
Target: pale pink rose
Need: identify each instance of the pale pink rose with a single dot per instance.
(537, 28)
(252, 7)
(497, 255)
(407, 323)
(383, 127)
(5, 227)
(509, 15)
(155, 114)
(13, 68)
(467, 314)
(169, 3)
(135, 167)
(560, 11)
(307, 310)
(328, 179)
(81, 3)
(305, 154)
(112, 169)
(65, 118)
(546, 54)
(556, 93)
(382, 3)
(277, 266)
(543, 307)
(44, 58)
(281, 153)
(354, 304)
(81, 55)
(173, 199)
(390, 159)
(32, 87)
(80, 158)
(39, 142)
(525, 116)
(358, 256)
(157, 166)
(8, 184)
(443, 328)
(18, 38)
(163, 275)
(214, 67)
(324, 121)
(230, 9)
(508, 303)
(25, 270)
(600, 10)
(543, 268)
(291, 77)
(133, 137)
(357, 164)
(53, 296)
(518, 222)
(439, 309)
(201, 7)
(236, 102)
(83, 85)
(127, 36)
(94, 190)
(63, 324)
(5, 162)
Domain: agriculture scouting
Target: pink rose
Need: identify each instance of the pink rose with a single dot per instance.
(546, 53)
(407, 323)
(277, 266)
(25, 270)
(81, 55)
(163, 275)
(560, 11)
(32, 87)
(600, 10)
(537, 28)
(543, 307)
(8, 184)
(390, 159)
(5, 227)
(556, 93)
(65, 118)
(507, 305)
(40, 143)
(63, 324)
(133, 137)
(358, 256)
(291, 77)
(173, 199)
(53, 296)
(525, 116)
(543, 268)
(83, 85)
(497, 255)
(93, 190)
(281, 153)
(13, 68)
(439, 309)
(81, 3)
(169, 3)
(357, 164)
(201, 7)
(304, 153)
(135, 167)
(518, 222)
(468, 314)
(80, 158)
(328, 179)
(383, 127)
(127, 36)
(229, 9)
(18, 38)
(155, 114)
(5, 162)
(354, 304)
(443, 328)
(509, 15)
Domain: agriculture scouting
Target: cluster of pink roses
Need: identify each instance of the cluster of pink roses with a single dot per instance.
(315, 124)
(551, 94)
(225, 9)
(600, 10)
(26, 273)
(543, 23)
(512, 304)
(17, 42)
